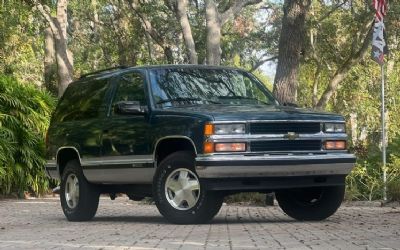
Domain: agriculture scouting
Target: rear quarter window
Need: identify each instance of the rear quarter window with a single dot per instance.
(81, 100)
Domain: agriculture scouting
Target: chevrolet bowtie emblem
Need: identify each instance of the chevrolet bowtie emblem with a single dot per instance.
(291, 136)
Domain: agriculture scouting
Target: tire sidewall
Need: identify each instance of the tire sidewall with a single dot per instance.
(70, 168)
(175, 161)
(330, 200)
(88, 195)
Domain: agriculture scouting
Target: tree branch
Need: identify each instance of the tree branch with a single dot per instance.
(45, 12)
(331, 11)
(341, 73)
(261, 62)
(235, 8)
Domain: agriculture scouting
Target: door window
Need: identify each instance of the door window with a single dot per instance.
(130, 88)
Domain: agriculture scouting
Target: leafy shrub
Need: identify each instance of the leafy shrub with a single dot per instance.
(365, 181)
(247, 198)
(24, 118)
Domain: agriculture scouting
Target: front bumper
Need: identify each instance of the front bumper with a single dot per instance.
(243, 166)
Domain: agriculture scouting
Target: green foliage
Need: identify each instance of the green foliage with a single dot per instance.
(247, 198)
(24, 117)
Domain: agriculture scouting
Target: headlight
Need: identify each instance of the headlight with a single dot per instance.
(224, 129)
(334, 127)
(335, 145)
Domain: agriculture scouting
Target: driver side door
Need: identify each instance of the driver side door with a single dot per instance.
(125, 153)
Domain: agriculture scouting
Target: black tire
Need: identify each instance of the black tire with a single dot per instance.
(207, 205)
(310, 204)
(88, 200)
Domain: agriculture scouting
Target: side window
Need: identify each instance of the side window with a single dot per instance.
(82, 101)
(130, 88)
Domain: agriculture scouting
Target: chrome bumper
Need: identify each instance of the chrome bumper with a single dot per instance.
(225, 166)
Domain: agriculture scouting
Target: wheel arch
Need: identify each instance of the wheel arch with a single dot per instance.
(170, 144)
(65, 154)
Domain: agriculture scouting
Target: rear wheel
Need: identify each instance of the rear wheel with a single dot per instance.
(314, 203)
(179, 194)
(79, 198)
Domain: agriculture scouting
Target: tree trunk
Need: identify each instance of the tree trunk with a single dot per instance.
(50, 67)
(213, 33)
(63, 56)
(58, 26)
(214, 23)
(181, 8)
(291, 43)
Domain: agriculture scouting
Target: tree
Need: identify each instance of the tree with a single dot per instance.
(153, 32)
(215, 20)
(180, 8)
(291, 47)
(58, 26)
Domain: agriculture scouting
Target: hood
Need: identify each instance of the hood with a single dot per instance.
(253, 112)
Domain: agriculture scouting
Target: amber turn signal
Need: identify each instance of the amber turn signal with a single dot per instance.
(335, 145)
(208, 147)
(230, 147)
(208, 129)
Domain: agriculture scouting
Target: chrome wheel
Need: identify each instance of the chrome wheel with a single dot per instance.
(72, 191)
(182, 189)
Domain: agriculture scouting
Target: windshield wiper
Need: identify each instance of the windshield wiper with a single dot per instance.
(183, 99)
(243, 98)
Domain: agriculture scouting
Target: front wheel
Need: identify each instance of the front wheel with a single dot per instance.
(79, 198)
(312, 204)
(179, 194)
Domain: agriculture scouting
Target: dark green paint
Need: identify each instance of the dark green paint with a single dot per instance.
(109, 134)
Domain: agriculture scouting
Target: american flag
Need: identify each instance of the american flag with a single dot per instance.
(379, 46)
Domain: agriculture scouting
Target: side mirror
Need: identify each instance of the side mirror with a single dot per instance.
(129, 108)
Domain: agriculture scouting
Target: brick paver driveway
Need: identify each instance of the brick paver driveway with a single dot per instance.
(122, 224)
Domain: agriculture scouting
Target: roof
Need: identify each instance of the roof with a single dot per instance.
(119, 69)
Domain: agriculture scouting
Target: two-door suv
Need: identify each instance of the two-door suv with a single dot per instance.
(187, 136)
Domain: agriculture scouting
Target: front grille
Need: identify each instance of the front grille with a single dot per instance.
(285, 127)
(285, 145)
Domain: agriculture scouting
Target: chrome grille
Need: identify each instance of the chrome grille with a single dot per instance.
(285, 127)
(285, 145)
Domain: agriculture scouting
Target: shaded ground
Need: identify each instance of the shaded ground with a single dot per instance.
(122, 224)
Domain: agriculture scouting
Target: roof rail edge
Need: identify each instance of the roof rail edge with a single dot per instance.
(102, 70)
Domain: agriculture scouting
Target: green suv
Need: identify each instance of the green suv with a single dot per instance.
(187, 136)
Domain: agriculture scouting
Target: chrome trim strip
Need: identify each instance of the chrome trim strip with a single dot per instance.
(272, 153)
(172, 137)
(121, 176)
(116, 160)
(67, 147)
(271, 137)
(276, 121)
(217, 158)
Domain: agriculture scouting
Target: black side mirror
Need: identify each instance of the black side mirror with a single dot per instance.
(289, 104)
(129, 108)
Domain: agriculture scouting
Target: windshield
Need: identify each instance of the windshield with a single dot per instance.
(194, 86)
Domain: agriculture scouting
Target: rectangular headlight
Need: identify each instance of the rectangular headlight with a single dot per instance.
(335, 145)
(334, 127)
(230, 147)
(229, 129)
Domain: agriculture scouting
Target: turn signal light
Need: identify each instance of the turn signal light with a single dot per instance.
(230, 147)
(208, 147)
(335, 145)
(208, 129)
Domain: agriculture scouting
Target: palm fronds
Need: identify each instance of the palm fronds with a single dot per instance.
(24, 118)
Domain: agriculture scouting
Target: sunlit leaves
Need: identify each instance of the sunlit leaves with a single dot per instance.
(24, 117)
